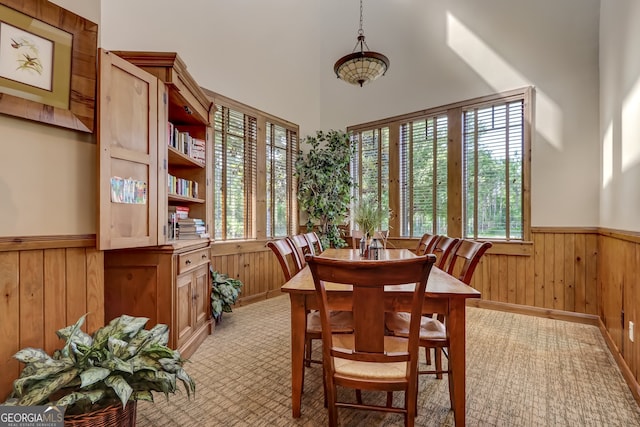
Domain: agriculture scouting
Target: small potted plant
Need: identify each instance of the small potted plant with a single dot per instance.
(224, 293)
(101, 375)
(368, 216)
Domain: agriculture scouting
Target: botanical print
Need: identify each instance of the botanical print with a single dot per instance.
(25, 57)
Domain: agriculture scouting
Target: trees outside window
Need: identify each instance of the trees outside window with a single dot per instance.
(462, 169)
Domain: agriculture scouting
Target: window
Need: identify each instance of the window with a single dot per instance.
(493, 167)
(370, 167)
(254, 187)
(462, 169)
(423, 176)
(282, 148)
(234, 173)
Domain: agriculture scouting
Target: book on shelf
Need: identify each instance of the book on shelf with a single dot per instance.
(182, 187)
(191, 221)
(193, 236)
(186, 144)
(181, 212)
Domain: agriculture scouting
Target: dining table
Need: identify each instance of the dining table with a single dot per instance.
(445, 295)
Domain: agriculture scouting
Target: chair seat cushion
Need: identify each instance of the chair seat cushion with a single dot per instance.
(341, 322)
(430, 329)
(369, 370)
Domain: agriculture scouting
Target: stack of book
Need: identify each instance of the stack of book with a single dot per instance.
(192, 228)
(185, 143)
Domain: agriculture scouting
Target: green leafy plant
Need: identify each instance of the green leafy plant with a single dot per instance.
(224, 293)
(324, 183)
(368, 215)
(120, 362)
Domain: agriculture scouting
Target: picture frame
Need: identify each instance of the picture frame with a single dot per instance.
(48, 61)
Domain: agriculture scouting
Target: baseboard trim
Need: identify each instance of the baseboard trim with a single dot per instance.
(569, 316)
(634, 386)
(259, 297)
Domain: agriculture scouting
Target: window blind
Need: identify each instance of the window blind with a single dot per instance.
(282, 148)
(370, 168)
(234, 173)
(493, 138)
(423, 176)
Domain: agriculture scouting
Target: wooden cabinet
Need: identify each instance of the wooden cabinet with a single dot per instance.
(143, 97)
(168, 284)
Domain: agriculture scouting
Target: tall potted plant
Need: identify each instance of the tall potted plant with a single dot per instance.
(324, 183)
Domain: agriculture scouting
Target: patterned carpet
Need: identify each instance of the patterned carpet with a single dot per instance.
(521, 371)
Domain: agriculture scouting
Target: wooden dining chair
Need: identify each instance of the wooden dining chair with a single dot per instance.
(433, 332)
(302, 247)
(442, 248)
(426, 243)
(382, 236)
(368, 358)
(287, 255)
(465, 257)
(314, 242)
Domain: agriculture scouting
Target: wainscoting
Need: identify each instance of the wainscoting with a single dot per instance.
(587, 275)
(619, 292)
(254, 264)
(559, 272)
(578, 274)
(46, 283)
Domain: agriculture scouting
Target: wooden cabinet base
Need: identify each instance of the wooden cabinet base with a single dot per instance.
(152, 282)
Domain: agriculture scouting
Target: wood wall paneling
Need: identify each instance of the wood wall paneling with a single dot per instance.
(42, 291)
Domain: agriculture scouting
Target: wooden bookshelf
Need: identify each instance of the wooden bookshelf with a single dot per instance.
(147, 273)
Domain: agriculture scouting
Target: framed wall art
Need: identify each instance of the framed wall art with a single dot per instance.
(47, 64)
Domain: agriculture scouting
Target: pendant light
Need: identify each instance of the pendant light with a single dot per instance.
(361, 66)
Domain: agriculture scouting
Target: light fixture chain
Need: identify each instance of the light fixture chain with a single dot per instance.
(360, 31)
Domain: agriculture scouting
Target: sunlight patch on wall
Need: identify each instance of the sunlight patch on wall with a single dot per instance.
(500, 75)
(631, 128)
(607, 156)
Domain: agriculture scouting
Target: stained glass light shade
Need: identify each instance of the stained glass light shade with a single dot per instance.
(361, 67)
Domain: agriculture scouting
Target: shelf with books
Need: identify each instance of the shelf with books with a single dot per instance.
(178, 158)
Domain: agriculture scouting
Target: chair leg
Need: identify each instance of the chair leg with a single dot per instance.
(333, 409)
(359, 396)
(439, 363)
(308, 347)
(451, 390)
(389, 399)
(427, 355)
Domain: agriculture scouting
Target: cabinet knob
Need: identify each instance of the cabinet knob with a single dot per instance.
(204, 256)
(188, 262)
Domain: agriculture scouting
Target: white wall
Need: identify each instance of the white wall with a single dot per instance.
(447, 51)
(48, 174)
(620, 114)
(261, 53)
(278, 56)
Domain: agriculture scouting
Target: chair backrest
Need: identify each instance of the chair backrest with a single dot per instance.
(368, 279)
(356, 235)
(442, 249)
(287, 257)
(426, 243)
(302, 246)
(469, 253)
(314, 242)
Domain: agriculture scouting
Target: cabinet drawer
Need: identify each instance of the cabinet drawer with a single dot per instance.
(191, 260)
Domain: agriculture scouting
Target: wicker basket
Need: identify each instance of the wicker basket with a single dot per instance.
(111, 416)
